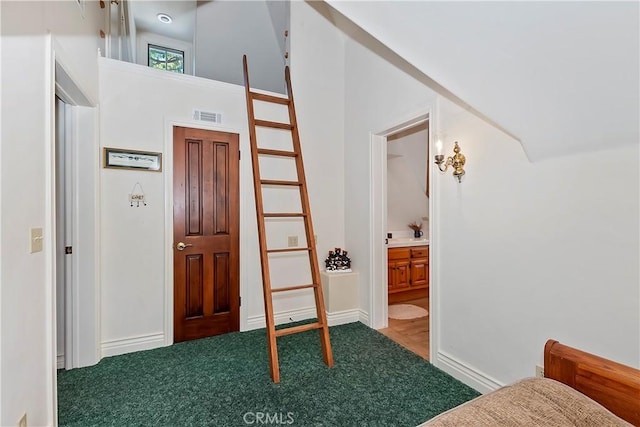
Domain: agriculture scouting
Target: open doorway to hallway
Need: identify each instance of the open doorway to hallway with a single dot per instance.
(407, 195)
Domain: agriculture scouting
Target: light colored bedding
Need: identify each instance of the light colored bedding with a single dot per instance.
(529, 402)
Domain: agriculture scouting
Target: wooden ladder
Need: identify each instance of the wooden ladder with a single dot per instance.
(305, 215)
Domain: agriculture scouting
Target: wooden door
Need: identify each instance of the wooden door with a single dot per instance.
(206, 233)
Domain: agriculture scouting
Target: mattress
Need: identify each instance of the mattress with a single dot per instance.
(529, 402)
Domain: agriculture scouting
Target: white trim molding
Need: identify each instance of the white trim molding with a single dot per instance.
(60, 361)
(465, 373)
(131, 344)
(258, 321)
(364, 318)
(343, 317)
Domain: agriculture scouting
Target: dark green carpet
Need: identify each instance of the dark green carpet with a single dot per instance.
(224, 381)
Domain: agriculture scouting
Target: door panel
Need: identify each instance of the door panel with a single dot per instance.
(194, 188)
(221, 283)
(206, 220)
(419, 272)
(195, 286)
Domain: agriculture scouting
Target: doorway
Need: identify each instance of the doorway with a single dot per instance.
(379, 256)
(407, 238)
(75, 221)
(206, 230)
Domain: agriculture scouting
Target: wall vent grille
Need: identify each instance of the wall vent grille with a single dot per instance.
(207, 116)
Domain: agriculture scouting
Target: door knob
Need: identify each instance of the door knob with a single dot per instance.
(180, 246)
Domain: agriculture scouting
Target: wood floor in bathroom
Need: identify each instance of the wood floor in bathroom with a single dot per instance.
(412, 334)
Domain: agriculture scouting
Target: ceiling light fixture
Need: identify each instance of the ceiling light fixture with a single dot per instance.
(164, 18)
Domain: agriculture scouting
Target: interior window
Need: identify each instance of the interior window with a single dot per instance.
(165, 58)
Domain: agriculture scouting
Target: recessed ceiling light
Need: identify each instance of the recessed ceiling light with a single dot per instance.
(164, 18)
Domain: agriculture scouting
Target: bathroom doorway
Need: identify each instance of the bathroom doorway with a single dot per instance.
(407, 242)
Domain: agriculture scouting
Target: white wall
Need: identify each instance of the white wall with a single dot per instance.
(407, 164)
(532, 251)
(317, 74)
(523, 251)
(134, 244)
(378, 96)
(27, 314)
(222, 37)
(138, 107)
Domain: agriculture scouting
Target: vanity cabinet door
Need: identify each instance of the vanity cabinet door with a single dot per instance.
(399, 268)
(401, 274)
(419, 272)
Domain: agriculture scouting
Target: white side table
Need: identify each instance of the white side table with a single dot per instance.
(340, 291)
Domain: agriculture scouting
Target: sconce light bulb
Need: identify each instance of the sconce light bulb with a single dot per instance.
(438, 146)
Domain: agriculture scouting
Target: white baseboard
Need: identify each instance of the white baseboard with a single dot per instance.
(468, 375)
(343, 317)
(333, 319)
(131, 344)
(364, 317)
(257, 322)
(60, 361)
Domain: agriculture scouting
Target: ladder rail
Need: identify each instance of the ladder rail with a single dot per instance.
(272, 346)
(327, 354)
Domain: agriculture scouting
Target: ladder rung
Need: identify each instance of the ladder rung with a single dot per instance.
(277, 125)
(269, 98)
(293, 288)
(282, 153)
(272, 251)
(296, 329)
(278, 182)
(284, 215)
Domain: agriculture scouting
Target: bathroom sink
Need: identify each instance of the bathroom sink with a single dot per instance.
(407, 241)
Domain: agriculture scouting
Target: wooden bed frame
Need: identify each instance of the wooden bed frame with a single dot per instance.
(613, 385)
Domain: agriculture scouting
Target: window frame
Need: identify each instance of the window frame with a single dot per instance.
(167, 50)
(144, 39)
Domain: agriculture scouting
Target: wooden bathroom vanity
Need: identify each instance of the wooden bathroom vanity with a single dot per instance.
(408, 271)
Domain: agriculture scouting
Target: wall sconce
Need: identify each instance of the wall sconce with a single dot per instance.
(457, 161)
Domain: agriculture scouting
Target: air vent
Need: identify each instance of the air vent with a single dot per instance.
(207, 116)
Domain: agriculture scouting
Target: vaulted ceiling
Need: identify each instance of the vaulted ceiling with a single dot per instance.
(559, 76)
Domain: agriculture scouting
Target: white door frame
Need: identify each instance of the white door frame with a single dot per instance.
(82, 334)
(378, 300)
(64, 224)
(83, 330)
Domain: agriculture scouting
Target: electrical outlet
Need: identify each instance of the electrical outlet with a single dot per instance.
(539, 371)
(293, 241)
(23, 420)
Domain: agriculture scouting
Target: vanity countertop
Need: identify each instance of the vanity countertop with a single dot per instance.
(406, 241)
